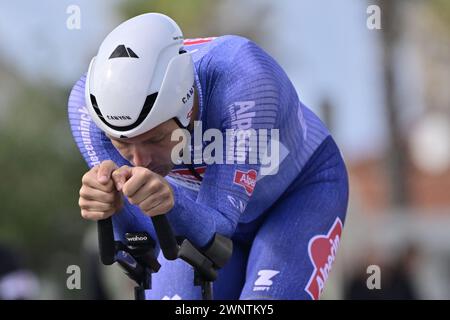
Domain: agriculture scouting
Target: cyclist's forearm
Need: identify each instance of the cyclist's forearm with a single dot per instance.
(196, 221)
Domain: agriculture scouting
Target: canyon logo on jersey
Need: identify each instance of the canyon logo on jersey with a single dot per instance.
(322, 251)
(247, 180)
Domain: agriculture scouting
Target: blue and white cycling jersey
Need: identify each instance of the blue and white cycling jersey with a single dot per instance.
(239, 86)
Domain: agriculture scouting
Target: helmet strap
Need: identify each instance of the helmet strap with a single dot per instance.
(179, 123)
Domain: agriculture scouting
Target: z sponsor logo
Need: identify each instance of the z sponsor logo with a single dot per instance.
(264, 282)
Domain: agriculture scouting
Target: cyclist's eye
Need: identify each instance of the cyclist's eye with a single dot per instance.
(120, 144)
(156, 139)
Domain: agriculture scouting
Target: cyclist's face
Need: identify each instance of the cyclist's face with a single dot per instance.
(151, 150)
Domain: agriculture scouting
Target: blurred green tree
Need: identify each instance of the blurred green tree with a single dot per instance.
(441, 8)
(202, 18)
(190, 15)
(41, 177)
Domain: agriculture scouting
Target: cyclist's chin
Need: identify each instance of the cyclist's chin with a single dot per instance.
(162, 170)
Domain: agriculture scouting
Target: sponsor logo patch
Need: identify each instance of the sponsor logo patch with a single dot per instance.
(247, 180)
(322, 251)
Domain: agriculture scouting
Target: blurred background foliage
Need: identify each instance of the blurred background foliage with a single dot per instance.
(42, 171)
(191, 14)
(441, 10)
(202, 18)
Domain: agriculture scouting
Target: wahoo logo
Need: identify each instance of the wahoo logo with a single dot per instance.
(138, 238)
(247, 180)
(188, 95)
(123, 52)
(322, 251)
(264, 282)
(124, 117)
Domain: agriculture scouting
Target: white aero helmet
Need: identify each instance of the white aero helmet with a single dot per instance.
(140, 78)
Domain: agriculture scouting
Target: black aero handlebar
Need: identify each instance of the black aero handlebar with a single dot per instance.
(140, 264)
(167, 240)
(106, 241)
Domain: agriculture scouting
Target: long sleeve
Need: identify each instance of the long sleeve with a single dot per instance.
(245, 94)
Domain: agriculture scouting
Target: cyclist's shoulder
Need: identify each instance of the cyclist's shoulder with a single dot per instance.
(232, 40)
(217, 51)
(214, 42)
(232, 46)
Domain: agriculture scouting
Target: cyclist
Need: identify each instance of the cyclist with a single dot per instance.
(284, 211)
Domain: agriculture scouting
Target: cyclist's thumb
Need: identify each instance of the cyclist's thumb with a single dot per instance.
(104, 171)
(121, 175)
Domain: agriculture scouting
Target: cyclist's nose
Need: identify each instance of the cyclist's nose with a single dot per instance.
(141, 156)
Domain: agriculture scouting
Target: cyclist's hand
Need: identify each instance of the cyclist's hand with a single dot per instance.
(99, 198)
(144, 188)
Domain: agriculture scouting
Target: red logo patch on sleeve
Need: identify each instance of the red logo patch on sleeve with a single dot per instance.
(322, 251)
(246, 180)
